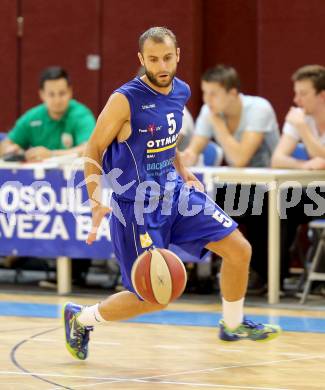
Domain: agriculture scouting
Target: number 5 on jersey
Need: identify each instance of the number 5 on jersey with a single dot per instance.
(171, 123)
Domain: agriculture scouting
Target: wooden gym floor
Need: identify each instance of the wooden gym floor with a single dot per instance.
(175, 349)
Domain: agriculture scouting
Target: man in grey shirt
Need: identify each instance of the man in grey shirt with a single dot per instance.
(244, 126)
(246, 129)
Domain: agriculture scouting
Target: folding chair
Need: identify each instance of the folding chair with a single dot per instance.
(314, 273)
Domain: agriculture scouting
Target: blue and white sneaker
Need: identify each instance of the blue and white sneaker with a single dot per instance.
(76, 335)
(249, 330)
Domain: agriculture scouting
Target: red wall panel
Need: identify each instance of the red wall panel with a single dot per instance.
(60, 33)
(265, 40)
(230, 37)
(124, 21)
(289, 37)
(8, 63)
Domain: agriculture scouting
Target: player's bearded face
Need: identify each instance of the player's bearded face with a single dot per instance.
(161, 79)
(160, 61)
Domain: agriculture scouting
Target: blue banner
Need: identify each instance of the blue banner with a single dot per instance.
(48, 217)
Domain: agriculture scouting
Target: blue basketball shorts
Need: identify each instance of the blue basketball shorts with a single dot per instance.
(192, 222)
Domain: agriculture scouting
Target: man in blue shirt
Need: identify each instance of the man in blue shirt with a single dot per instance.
(135, 137)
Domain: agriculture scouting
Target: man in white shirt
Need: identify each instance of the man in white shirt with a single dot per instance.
(244, 126)
(304, 123)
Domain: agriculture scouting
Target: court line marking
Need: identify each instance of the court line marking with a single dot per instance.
(146, 379)
(120, 380)
(51, 375)
(22, 368)
(167, 346)
(44, 340)
(162, 346)
(171, 347)
(265, 363)
(211, 385)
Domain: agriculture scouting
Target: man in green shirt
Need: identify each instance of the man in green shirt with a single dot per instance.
(59, 126)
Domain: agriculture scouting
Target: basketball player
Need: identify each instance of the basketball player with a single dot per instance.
(137, 132)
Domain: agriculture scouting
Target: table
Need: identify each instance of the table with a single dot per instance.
(274, 179)
(59, 171)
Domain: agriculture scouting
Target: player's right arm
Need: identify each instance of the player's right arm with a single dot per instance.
(109, 123)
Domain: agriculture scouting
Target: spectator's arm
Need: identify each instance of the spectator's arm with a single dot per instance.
(238, 153)
(79, 150)
(191, 154)
(7, 147)
(313, 145)
(281, 157)
(297, 119)
(18, 138)
(40, 153)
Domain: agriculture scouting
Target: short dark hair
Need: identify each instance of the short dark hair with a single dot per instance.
(158, 35)
(53, 73)
(314, 73)
(226, 76)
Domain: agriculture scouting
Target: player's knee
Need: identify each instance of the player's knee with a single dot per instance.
(245, 250)
(238, 250)
(241, 252)
(234, 248)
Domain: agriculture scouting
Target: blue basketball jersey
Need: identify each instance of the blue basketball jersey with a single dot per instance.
(148, 154)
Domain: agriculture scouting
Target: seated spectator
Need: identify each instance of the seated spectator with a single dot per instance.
(304, 123)
(244, 126)
(58, 126)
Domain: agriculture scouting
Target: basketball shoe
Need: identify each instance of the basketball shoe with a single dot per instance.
(76, 335)
(249, 330)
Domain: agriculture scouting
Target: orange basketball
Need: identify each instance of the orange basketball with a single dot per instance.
(159, 276)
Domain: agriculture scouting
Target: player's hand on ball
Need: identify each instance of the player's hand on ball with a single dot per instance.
(98, 213)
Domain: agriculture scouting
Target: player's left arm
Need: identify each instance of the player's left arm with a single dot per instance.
(189, 178)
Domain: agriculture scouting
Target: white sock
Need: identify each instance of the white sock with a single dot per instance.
(90, 315)
(233, 313)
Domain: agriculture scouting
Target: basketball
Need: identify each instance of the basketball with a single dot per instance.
(159, 276)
